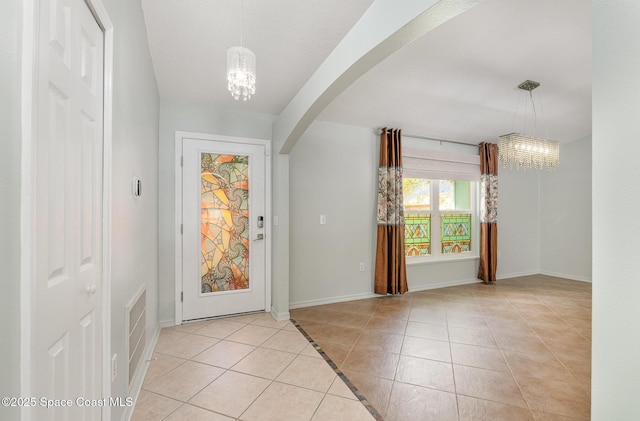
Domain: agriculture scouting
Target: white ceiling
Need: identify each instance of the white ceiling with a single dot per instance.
(457, 82)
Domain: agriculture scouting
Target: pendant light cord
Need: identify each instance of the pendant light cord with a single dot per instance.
(241, 12)
(535, 114)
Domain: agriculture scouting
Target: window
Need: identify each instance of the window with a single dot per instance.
(439, 216)
(417, 216)
(440, 190)
(456, 215)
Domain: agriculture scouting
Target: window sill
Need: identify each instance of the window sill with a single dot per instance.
(415, 261)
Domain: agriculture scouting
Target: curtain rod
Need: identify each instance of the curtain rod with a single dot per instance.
(379, 131)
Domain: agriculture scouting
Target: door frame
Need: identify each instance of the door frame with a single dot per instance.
(29, 83)
(180, 136)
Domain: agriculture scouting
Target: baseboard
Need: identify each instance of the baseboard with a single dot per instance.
(167, 323)
(566, 276)
(142, 372)
(343, 298)
(331, 300)
(516, 274)
(280, 316)
(443, 284)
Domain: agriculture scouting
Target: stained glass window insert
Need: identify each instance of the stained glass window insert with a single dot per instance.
(417, 234)
(455, 232)
(224, 222)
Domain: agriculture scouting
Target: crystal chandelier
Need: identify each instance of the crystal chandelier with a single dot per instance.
(241, 69)
(525, 151)
(241, 72)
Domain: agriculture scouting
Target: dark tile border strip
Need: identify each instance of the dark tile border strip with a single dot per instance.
(374, 412)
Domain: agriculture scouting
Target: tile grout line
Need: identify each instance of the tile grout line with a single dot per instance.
(453, 372)
(577, 381)
(187, 402)
(511, 371)
(522, 314)
(272, 381)
(374, 412)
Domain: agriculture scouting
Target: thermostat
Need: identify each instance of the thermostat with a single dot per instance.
(137, 187)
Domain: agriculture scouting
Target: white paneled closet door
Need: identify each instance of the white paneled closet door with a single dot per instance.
(67, 211)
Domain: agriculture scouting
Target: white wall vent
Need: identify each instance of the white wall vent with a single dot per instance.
(136, 323)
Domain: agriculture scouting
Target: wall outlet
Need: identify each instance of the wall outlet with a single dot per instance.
(323, 219)
(114, 367)
(361, 267)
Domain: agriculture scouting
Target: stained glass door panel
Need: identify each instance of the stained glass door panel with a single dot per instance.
(223, 243)
(224, 222)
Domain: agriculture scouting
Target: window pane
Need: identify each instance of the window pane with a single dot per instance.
(454, 195)
(446, 196)
(416, 193)
(455, 232)
(417, 234)
(463, 195)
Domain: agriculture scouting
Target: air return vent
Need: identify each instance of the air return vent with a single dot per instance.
(136, 315)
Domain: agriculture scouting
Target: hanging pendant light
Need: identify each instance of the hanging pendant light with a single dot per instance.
(241, 72)
(241, 69)
(524, 151)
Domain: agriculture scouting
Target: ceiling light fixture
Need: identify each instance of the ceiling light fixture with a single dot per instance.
(241, 69)
(520, 150)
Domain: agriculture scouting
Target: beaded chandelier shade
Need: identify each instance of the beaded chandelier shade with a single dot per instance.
(524, 151)
(241, 69)
(241, 72)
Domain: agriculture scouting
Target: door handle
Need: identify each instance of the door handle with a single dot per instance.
(259, 237)
(91, 289)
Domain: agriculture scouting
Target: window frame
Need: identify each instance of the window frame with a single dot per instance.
(436, 240)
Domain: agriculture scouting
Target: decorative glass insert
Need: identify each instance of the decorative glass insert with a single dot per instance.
(417, 234)
(455, 232)
(224, 222)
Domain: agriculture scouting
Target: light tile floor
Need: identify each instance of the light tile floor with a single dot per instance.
(249, 368)
(518, 350)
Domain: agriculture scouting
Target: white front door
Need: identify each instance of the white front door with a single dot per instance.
(224, 224)
(67, 210)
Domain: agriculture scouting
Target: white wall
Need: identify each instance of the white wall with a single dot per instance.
(544, 218)
(333, 172)
(333, 169)
(182, 116)
(9, 204)
(135, 153)
(518, 223)
(280, 237)
(565, 218)
(441, 274)
(616, 252)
